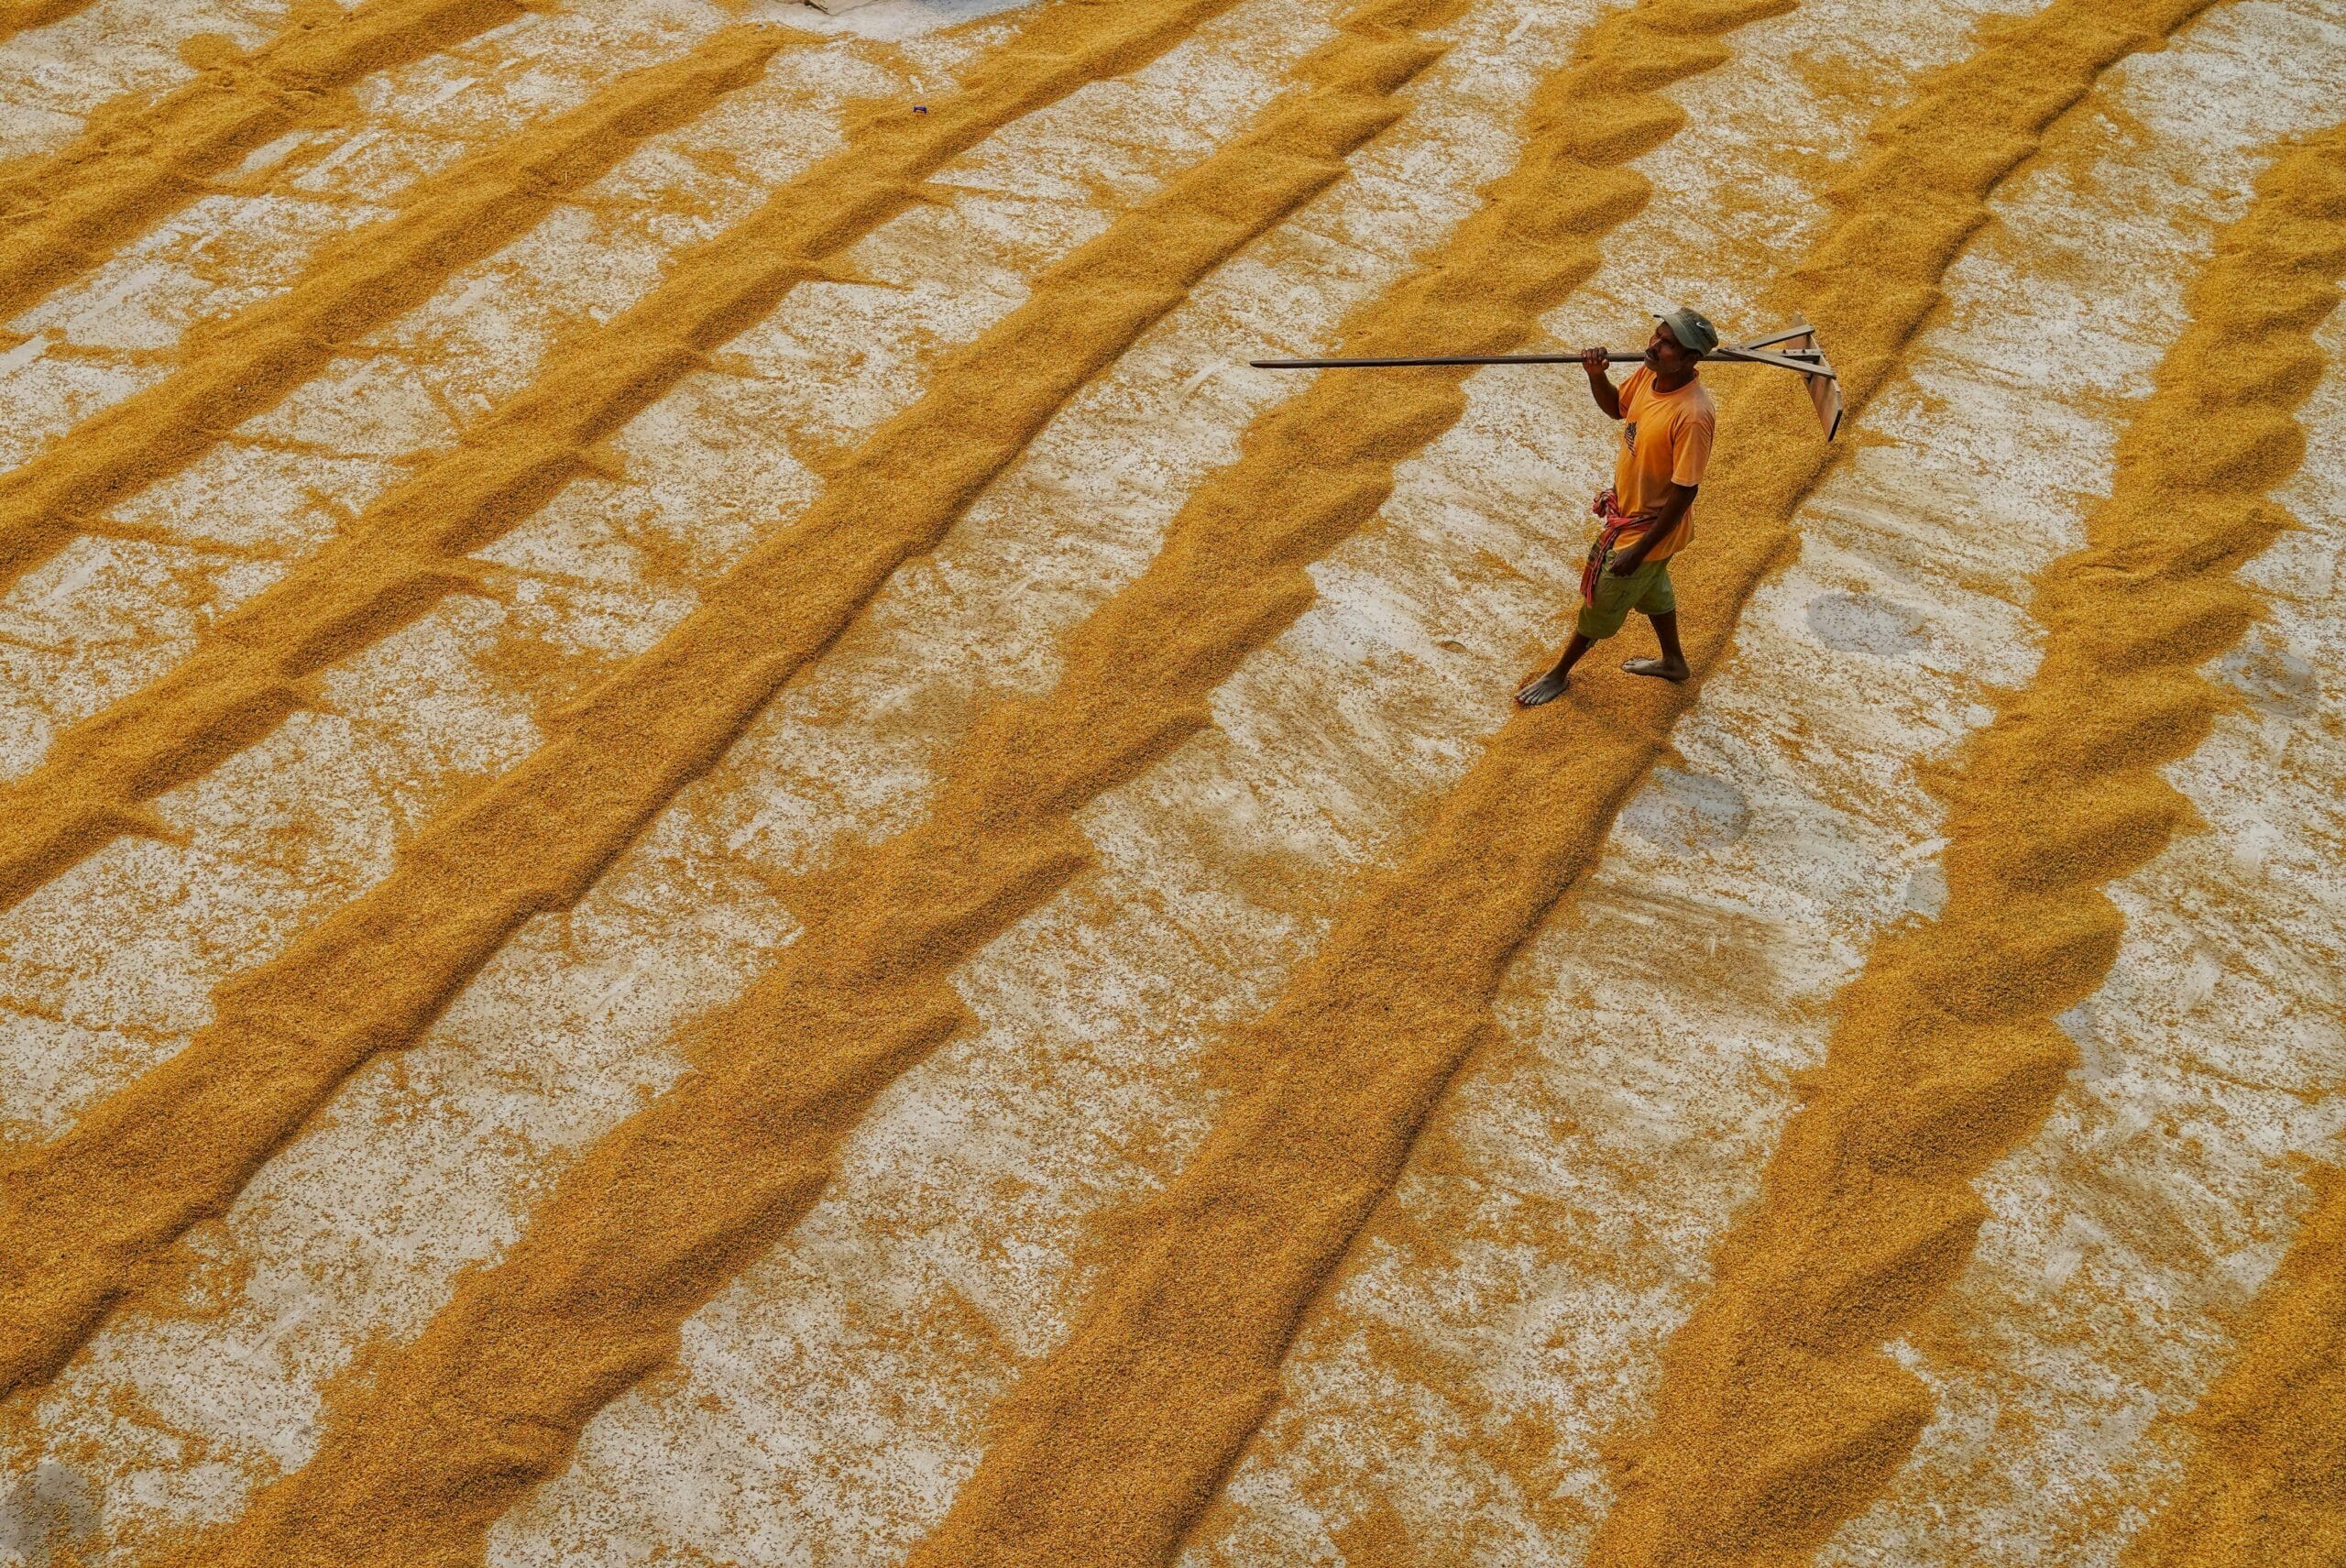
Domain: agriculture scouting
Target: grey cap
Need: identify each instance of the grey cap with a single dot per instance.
(1691, 328)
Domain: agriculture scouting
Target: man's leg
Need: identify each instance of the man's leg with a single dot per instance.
(1549, 686)
(1658, 601)
(1597, 621)
(1672, 665)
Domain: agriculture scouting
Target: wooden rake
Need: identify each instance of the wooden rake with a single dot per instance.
(1793, 348)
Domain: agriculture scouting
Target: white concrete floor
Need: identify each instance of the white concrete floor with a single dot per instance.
(1499, 1324)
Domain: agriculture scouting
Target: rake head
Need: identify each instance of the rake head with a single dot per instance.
(1795, 348)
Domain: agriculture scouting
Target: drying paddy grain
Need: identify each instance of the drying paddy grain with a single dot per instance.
(720, 848)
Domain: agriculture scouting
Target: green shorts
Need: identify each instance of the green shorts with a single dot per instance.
(1646, 590)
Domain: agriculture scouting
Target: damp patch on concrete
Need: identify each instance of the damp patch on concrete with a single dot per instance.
(44, 1513)
(2263, 670)
(1866, 623)
(1684, 810)
(1926, 890)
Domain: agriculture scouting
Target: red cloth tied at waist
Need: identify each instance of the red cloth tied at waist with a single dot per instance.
(1608, 508)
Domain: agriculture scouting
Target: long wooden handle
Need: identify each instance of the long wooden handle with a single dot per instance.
(1799, 353)
(1619, 358)
(1623, 358)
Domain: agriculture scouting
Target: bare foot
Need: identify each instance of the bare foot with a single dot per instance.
(1547, 688)
(1661, 669)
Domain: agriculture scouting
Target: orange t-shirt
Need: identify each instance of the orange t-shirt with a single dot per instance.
(1665, 438)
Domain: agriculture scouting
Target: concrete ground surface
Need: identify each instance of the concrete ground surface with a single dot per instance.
(1473, 1365)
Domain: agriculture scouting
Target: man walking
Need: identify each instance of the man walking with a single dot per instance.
(1648, 515)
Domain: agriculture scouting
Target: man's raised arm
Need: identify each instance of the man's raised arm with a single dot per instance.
(1600, 385)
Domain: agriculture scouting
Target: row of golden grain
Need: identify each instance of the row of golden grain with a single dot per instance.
(961, 1235)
